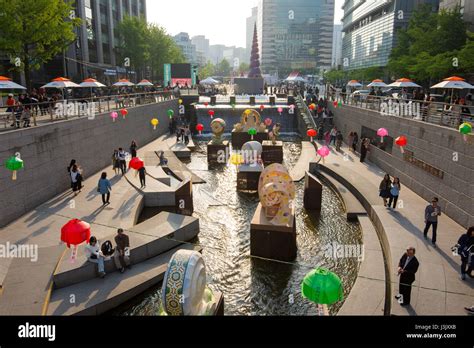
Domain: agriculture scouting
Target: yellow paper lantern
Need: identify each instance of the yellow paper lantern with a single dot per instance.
(236, 159)
(155, 123)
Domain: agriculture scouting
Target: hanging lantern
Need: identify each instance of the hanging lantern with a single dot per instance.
(322, 287)
(402, 142)
(262, 107)
(465, 129)
(14, 164)
(114, 116)
(75, 232)
(324, 152)
(280, 110)
(211, 113)
(312, 133)
(252, 132)
(200, 128)
(155, 123)
(382, 132)
(124, 112)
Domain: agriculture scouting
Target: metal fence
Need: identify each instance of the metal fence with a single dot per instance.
(442, 114)
(33, 114)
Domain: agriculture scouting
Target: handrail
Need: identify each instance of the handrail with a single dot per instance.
(307, 111)
(442, 114)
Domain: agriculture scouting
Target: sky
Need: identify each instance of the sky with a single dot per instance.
(221, 21)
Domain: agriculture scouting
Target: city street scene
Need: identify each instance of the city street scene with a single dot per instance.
(304, 158)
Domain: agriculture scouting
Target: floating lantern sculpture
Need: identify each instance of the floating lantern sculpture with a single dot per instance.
(323, 288)
(185, 292)
(14, 163)
(276, 190)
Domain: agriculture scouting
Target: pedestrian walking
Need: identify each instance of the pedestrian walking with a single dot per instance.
(384, 189)
(394, 192)
(333, 135)
(76, 179)
(187, 134)
(432, 212)
(350, 139)
(364, 149)
(178, 134)
(339, 140)
(104, 188)
(133, 149)
(142, 175)
(116, 162)
(407, 268)
(464, 248)
(327, 137)
(355, 141)
(122, 157)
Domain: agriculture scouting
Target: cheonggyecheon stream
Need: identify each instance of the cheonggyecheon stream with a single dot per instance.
(253, 286)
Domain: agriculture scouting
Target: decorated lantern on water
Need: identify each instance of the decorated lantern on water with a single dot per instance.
(322, 287)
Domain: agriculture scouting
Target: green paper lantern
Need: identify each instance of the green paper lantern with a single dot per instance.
(252, 132)
(170, 113)
(340, 103)
(465, 128)
(14, 164)
(322, 287)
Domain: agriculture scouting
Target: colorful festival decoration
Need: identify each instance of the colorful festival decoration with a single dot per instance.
(114, 116)
(74, 233)
(252, 132)
(180, 101)
(401, 141)
(312, 107)
(155, 123)
(200, 128)
(136, 163)
(276, 190)
(124, 112)
(262, 107)
(312, 134)
(382, 133)
(170, 113)
(280, 110)
(465, 129)
(14, 164)
(268, 122)
(217, 127)
(211, 113)
(324, 152)
(185, 291)
(322, 287)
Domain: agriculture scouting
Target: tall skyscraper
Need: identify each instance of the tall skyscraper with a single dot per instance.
(337, 46)
(251, 21)
(370, 29)
(295, 35)
(186, 45)
(467, 9)
(202, 48)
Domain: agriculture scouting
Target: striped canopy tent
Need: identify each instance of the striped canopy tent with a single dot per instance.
(124, 83)
(145, 83)
(354, 83)
(404, 83)
(377, 83)
(7, 83)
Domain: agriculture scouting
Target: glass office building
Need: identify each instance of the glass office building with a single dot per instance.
(295, 35)
(370, 28)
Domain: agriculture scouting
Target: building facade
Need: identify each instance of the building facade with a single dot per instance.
(466, 6)
(337, 46)
(187, 47)
(202, 49)
(370, 29)
(295, 35)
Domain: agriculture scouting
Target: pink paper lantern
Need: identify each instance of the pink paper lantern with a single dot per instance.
(382, 132)
(268, 122)
(324, 152)
(280, 110)
(114, 116)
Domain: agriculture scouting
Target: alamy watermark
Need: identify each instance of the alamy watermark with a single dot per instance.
(335, 250)
(401, 109)
(23, 251)
(65, 109)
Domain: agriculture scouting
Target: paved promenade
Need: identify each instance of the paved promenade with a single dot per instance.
(438, 289)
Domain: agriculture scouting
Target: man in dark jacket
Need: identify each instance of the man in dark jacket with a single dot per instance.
(465, 247)
(407, 267)
(122, 251)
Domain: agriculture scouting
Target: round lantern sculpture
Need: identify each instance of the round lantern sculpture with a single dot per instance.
(136, 163)
(200, 128)
(382, 133)
(280, 110)
(211, 113)
(170, 113)
(262, 107)
(155, 123)
(252, 132)
(312, 133)
(324, 152)
(268, 122)
(465, 129)
(185, 292)
(124, 112)
(218, 128)
(276, 190)
(14, 164)
(114, 116)
(401, 141)
(75, 232)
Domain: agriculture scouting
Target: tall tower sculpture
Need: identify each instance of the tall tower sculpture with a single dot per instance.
(255, 71)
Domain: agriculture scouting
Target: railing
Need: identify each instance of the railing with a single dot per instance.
(306, 111)
(442, 114)
(33, 114)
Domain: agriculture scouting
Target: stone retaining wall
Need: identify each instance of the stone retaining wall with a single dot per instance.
(48, 149)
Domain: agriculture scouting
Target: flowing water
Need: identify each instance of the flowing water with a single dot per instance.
(253, 286)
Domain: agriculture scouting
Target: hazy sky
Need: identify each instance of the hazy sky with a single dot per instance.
(221, 21)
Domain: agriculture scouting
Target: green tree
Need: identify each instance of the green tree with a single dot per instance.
(243, 68)
(223, 68)
(35, 31)
(207, 70)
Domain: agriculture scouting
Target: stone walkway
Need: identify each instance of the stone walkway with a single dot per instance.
(438, 289)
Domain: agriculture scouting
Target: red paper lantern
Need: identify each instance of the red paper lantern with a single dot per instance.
(206, 104)
(312, 107)
(211, 113)
(136, 163)
(401, 141)
(262, 107)
(124, 112)
(311, 133)
(75, 232)
(200, 128)
(335, 104)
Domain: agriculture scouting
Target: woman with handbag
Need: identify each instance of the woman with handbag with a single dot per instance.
(384, 189)
(104, 188)
(76, 179)
(94, 255)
